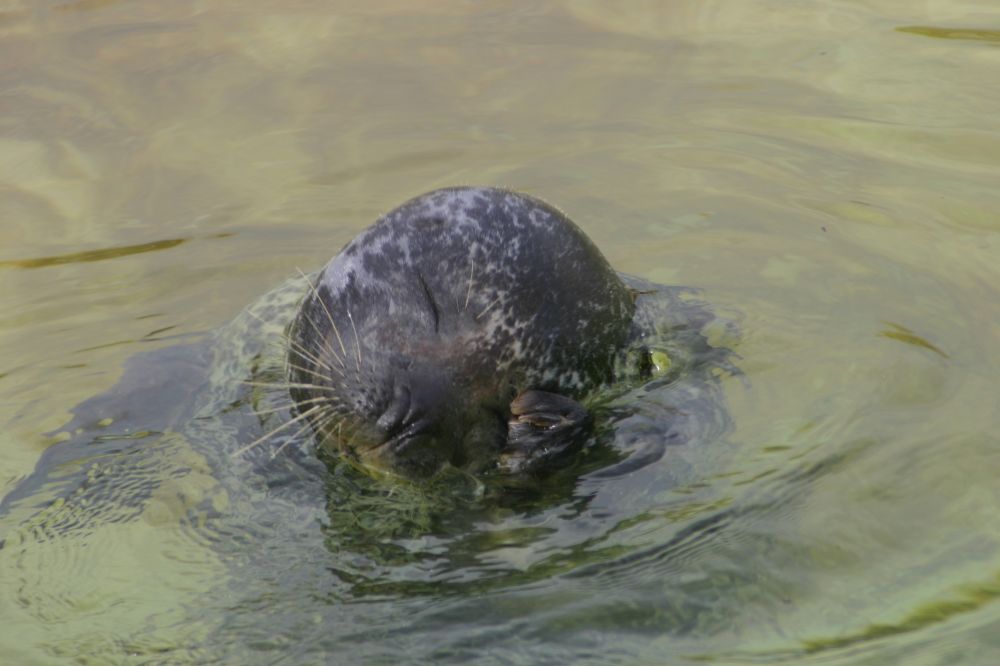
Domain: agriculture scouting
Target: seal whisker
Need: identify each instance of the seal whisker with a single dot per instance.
(290, 405)
(323, 422)
(468, 293)
(487, 308)
(284, 336)
(323, 340)
(287, 385)
(301, 351)
(288, 340)
(256, 316)
(309, 371)
(326, 420)
(304, 415)
(329, 315)
(357, 343)
(293, 344)
(291, 438)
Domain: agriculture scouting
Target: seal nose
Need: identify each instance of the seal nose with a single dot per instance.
(417, 406)
(414, 436)
(394, 419)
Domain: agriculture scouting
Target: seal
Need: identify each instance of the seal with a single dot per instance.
(461, 328)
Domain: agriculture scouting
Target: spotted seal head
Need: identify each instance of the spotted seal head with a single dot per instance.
(460, 328)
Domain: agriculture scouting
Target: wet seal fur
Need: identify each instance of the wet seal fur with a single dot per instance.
(461, 328)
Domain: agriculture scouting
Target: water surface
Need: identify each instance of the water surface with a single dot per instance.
(827, 170)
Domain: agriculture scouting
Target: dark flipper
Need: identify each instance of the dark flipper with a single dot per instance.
(543, 428)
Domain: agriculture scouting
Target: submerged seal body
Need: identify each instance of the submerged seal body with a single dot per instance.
(461, 327)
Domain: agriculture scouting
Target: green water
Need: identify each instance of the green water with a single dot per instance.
(829, 170)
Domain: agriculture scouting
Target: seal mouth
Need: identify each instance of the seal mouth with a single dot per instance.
(413, 451)
(401, 440)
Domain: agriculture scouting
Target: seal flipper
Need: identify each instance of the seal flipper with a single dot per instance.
(543, 427)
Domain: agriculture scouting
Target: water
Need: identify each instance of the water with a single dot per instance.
(829, 171)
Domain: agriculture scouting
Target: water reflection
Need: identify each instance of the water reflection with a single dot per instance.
(830, 172)
(92, 255)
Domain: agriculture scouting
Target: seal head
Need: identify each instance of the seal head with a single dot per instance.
(413, 341)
